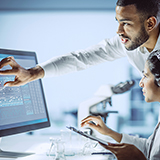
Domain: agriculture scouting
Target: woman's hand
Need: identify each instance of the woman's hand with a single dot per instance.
(125, 151)
(96, 123)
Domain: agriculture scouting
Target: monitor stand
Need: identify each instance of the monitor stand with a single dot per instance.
(8, 154)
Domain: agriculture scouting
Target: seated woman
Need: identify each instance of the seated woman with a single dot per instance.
(131, 146)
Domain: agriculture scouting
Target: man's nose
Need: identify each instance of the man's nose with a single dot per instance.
(120, 29)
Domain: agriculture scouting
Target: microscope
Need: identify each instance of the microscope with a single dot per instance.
(97, 105)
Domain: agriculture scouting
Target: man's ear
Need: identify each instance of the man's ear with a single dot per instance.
(158, 83)
(151, 23)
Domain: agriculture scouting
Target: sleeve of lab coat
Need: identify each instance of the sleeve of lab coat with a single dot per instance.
(106, 50)
(141, 143)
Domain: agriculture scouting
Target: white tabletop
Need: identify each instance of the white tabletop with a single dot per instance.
(39, 145)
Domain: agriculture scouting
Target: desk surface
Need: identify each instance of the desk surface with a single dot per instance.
(38, 144)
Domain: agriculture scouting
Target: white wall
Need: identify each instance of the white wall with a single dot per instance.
(54, 33)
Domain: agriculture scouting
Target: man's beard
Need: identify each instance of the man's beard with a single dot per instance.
(139, 40)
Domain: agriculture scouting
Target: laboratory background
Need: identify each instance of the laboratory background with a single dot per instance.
(56, 27)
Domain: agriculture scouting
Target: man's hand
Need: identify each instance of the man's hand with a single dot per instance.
(125, 151)
(22, 75)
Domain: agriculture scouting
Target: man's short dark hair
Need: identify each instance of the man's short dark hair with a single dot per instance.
(147, 8)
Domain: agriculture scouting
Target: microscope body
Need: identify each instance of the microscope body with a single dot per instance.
(97, 105)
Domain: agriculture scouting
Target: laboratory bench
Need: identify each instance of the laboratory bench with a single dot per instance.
(40, 144)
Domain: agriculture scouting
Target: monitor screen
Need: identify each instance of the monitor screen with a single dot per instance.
(23, 108)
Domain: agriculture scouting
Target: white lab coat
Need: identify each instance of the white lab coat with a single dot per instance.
(144, 144)
(106, 50)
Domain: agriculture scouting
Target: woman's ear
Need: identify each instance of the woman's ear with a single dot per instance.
(151, 23)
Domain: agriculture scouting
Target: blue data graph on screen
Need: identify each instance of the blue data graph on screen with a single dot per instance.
(11, 112)
(16, 96)
(24, 101)
(7, 95)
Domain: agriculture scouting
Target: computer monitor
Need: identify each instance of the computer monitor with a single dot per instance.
(22, 109)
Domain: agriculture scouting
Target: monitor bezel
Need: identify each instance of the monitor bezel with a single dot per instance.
(31, 127)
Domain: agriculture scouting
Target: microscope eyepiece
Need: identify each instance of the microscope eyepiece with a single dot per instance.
(122, 87)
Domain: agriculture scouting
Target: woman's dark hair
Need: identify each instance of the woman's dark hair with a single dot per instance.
(147, 8)
(154, 65)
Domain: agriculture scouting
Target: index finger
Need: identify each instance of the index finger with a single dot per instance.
(90, 118)
(87, 121)
(7, 61)
(111, 146)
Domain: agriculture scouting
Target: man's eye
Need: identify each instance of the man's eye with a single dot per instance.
(144, 76)
(125, 24)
